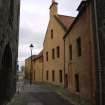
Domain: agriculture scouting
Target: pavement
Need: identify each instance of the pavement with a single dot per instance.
(36, 94)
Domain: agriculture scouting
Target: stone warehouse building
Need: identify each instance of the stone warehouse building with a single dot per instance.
(53, 51)
(82, 69)
(38, 68)
(85, 50)
(9, 30)
(79, 54)
(28, 67)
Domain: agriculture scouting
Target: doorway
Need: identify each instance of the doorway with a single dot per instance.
(5, 77)
(66, 80)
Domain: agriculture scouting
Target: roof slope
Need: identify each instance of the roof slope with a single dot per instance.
(39, 55)
(34, 57)
(66, 21)
(29, 58)
(82, 8)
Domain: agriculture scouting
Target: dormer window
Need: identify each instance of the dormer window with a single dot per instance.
(51, 34)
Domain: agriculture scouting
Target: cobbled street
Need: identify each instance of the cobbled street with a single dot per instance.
(36, 95)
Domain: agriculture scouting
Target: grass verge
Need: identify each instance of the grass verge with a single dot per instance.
(74, 99)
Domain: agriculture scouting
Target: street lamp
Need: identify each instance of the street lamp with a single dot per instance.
(31, 47)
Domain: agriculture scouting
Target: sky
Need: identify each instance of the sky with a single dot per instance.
(34, 17)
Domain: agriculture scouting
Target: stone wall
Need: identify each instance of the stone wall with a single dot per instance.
(9, 29)
(57, 63)
(83, 65)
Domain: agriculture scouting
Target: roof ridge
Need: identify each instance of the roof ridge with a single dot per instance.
(38, 55)
(61, 23)
(66, 16)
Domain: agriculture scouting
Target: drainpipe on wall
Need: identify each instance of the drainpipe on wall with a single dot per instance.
(98, 53)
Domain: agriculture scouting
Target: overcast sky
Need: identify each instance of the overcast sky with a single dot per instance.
(34, 17)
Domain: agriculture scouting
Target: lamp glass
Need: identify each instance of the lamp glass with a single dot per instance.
(31, 46)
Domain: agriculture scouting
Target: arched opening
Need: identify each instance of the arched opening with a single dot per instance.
(5, 77)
